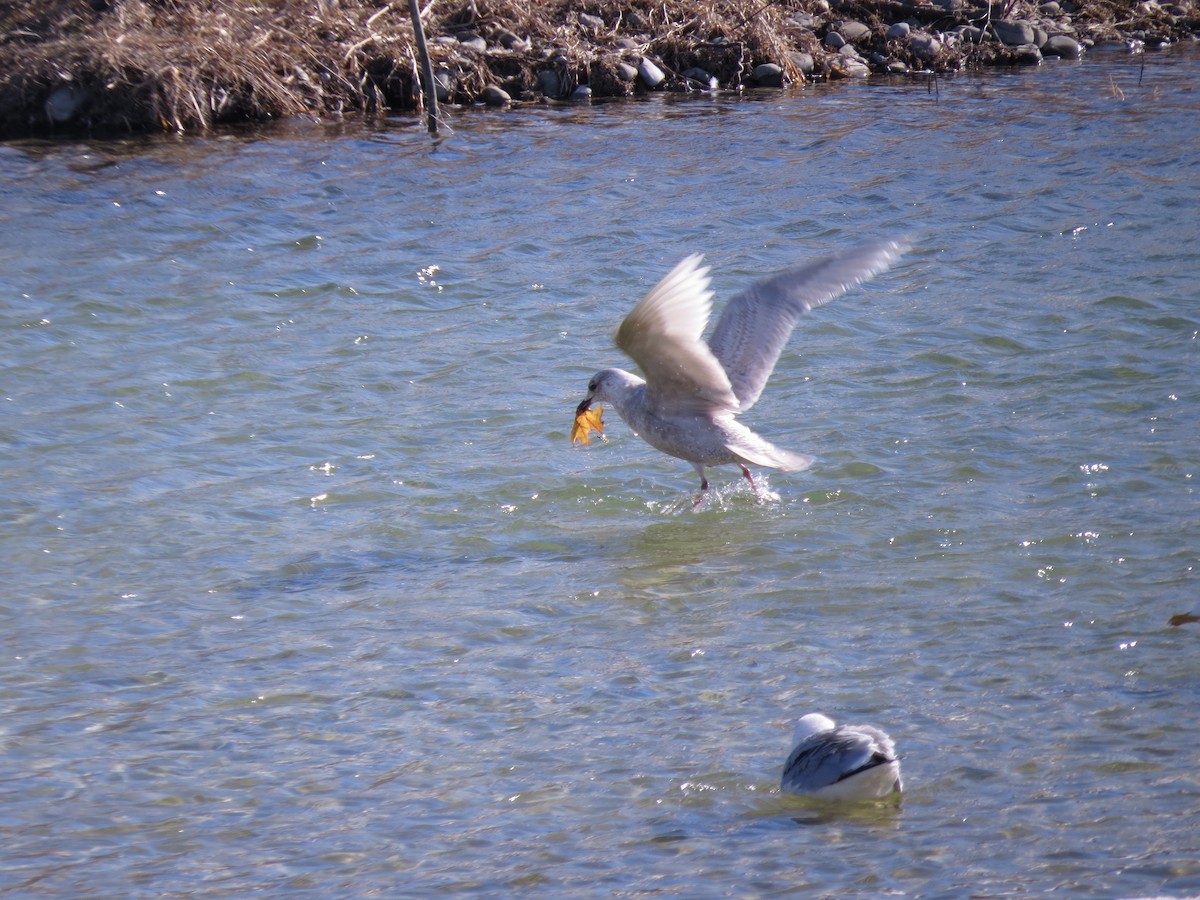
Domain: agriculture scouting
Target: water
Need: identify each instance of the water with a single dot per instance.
(305, 591)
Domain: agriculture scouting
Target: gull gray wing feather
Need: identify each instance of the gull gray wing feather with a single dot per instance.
(756, 324)
(662, 335)
(827, 758)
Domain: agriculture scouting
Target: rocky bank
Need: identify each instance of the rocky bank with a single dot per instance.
(187, 65)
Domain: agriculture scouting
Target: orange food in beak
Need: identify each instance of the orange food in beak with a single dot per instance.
(586, 422)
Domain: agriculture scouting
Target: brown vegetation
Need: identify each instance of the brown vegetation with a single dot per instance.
(185, 65)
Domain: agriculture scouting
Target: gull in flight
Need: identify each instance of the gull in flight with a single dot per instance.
(841, 762)
(692, 390)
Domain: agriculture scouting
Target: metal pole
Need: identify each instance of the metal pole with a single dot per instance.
(428, 89)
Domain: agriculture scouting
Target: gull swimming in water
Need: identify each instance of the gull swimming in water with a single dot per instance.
(686, 404)
(841, 762)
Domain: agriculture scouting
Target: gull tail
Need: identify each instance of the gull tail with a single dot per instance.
(750, 448)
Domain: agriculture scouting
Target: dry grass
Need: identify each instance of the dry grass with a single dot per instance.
(183, 65)
(186, 65)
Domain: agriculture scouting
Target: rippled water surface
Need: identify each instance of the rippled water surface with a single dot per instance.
(305, 590)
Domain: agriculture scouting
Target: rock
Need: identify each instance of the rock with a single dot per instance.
(701, 77)
(924, 46)
(581, 94)
(506, 38)
(626, 72)
(802, 61)
(472, 42)
(768, 75)
(1050, 8)
(854, 32)
(626, 43)
(1063, 46)
(652, 76)
(849, 51)
(64, 103)
(951, 5)
(495, 96)
(550, 84)
(899, 31)
(896, 67)
(1014, 34)
(593, 22)
(834, 41)
(970, 34)
(847, 67)
(1028, 54)
(444, 84)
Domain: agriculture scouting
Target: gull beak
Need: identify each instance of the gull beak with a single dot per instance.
(584, 406)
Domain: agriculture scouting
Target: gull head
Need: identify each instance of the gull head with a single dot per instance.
(813, 723)
(611, 386)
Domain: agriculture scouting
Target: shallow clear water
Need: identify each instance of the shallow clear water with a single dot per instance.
(304, 588)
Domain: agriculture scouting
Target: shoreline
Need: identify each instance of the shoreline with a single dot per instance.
(70, 66)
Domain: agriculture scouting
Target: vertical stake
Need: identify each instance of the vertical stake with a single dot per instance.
(428, 88)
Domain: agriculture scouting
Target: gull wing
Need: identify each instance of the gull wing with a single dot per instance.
(662, 334)
(756, 324)
(825, 759)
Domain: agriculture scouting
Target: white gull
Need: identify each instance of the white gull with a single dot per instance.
(841, 762)
(692, 390)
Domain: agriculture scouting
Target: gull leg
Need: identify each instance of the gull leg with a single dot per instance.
(703, 484)
(753, 486)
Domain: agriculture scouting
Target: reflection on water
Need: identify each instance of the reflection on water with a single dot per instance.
(306, 588)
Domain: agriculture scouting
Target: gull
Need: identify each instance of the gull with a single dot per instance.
(692, 390)
(841, 762)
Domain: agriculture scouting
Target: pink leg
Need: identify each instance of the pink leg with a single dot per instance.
(753, 485)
